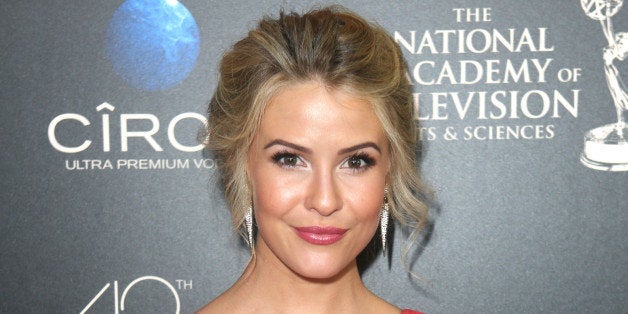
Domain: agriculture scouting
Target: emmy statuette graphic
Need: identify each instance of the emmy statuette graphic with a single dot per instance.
(606, 147)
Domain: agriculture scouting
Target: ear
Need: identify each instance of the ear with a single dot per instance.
(247, 172)
(249, 157)
(389, 166)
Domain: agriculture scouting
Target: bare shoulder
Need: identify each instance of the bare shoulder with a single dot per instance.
(211, 307)
(233, 301)
(221, 304)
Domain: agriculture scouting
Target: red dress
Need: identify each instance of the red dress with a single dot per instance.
(410, 312)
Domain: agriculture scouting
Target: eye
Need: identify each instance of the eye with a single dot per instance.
(358, 162)
(286, 159)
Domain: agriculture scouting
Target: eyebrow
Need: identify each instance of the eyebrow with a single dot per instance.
(309, 151)
(359, 146)
(288, 144)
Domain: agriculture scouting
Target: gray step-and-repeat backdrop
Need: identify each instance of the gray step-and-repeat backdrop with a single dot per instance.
(109, 205)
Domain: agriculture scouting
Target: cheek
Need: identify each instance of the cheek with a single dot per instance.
(366, 209)
(369, 209)
(272, 194)
(367, 201)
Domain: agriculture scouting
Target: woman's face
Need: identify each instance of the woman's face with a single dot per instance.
(318, 167)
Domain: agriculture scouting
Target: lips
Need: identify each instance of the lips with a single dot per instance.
(320, 235)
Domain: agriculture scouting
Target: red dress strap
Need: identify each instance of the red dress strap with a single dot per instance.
(410, 312)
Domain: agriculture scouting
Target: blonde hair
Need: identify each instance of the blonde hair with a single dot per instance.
(343, 51)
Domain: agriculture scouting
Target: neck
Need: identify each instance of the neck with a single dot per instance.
(270, 284)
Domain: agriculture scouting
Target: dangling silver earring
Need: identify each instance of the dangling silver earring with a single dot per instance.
(383, 223)
(248, 220)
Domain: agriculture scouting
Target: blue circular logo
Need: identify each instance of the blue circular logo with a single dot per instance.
(152, 44)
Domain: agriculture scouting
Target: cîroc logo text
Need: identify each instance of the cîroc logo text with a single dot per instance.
(125, 132)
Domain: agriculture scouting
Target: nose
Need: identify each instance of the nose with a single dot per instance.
(323, 193)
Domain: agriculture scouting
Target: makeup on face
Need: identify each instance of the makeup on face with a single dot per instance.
(320, 235)
(318, 167)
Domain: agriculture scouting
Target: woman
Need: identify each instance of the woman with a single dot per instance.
(312, 123)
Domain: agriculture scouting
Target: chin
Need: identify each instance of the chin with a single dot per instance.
(319, 267)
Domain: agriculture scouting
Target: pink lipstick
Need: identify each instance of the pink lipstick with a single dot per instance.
(320, 235)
